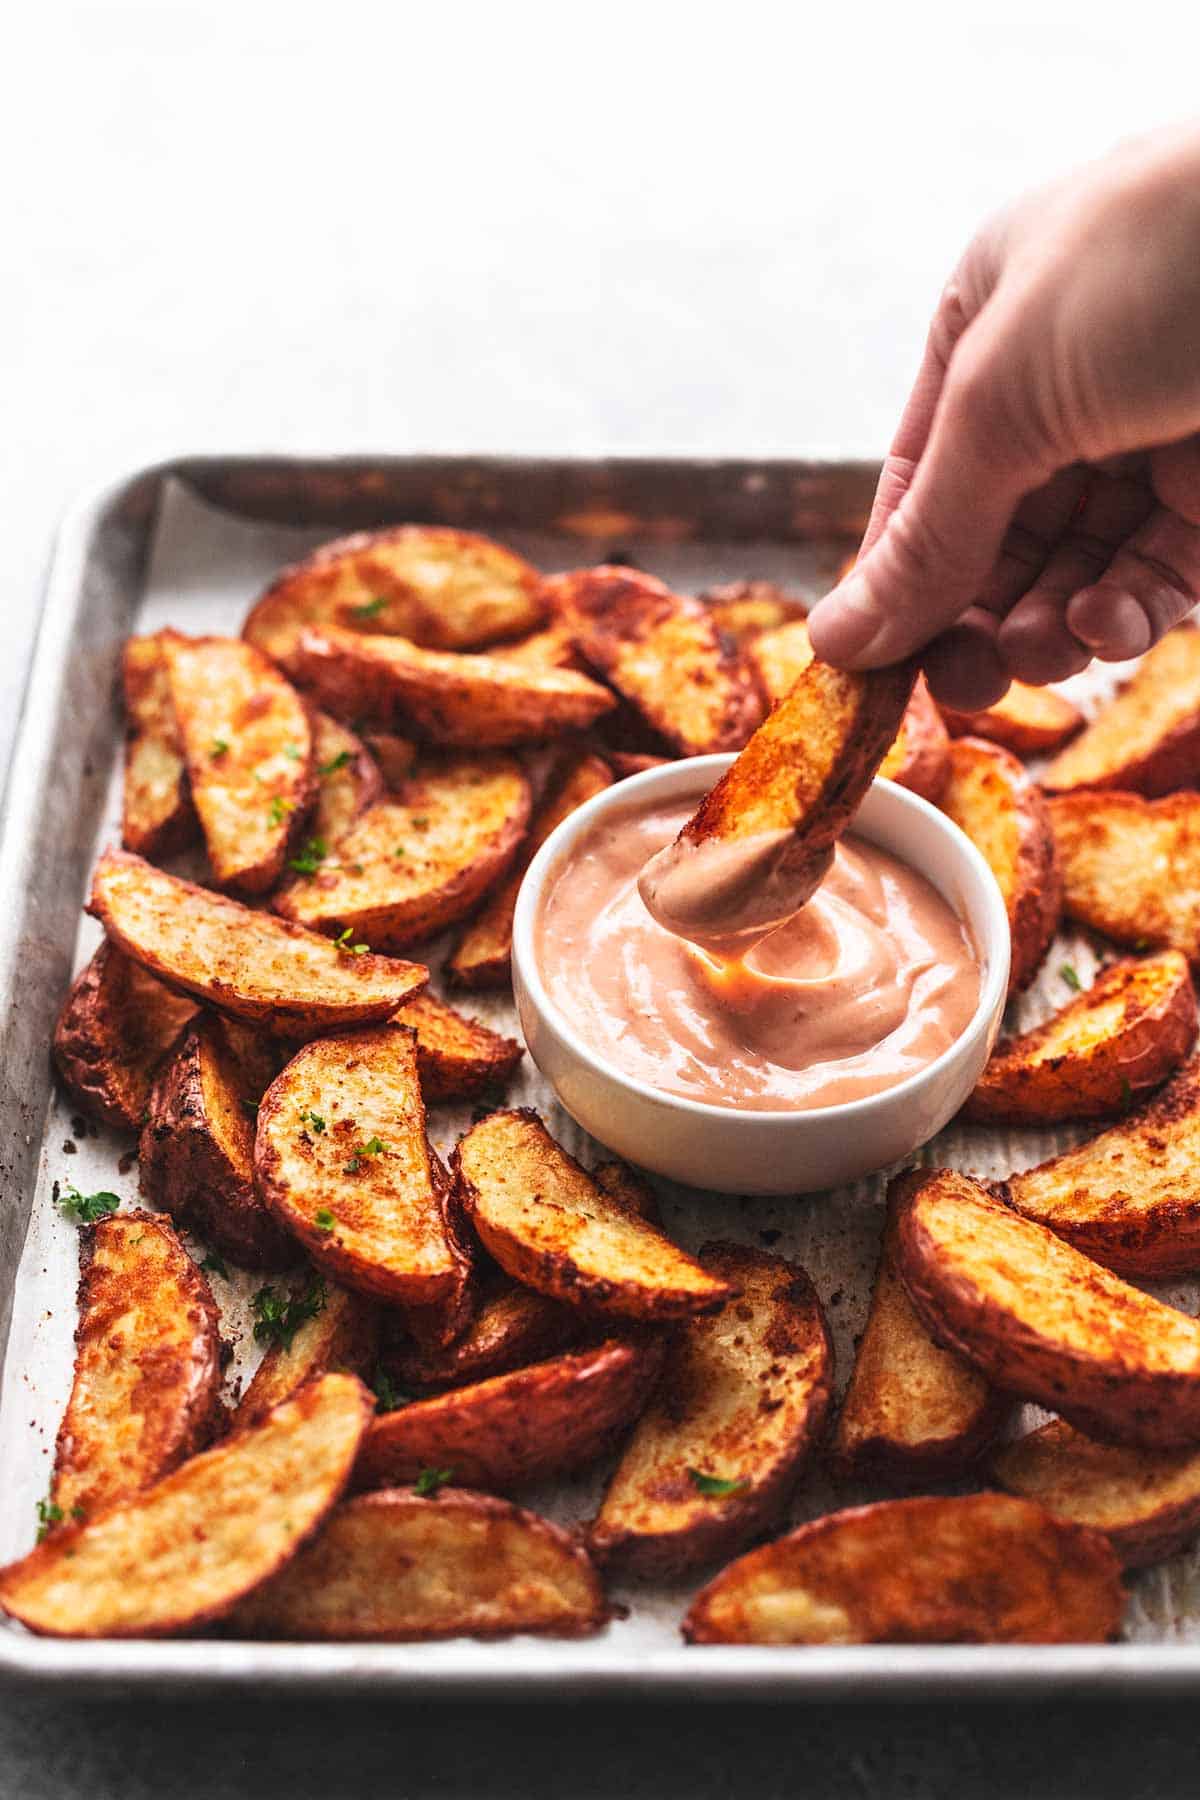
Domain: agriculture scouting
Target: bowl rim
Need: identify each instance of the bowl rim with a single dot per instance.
(997, 950)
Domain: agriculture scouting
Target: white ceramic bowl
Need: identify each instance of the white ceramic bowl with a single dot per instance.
(759, 1152)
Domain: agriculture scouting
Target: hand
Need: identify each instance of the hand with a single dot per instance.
(1040, 504)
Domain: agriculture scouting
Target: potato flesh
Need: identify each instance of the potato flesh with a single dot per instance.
(341, 1337)
(1131, 867)
(456, 1056)
(156, 808)
(1027, 720)
(1161, 702)
(348, 780)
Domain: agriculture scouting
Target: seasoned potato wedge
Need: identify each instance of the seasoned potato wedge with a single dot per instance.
(743, 610)
(189, 1548)
(1130, 1198)
(157, 815)
(342, 1160)
(512, 1326)
(1101, 1053)
(919, 758)
(1147, 740)
(442, 1320)
(532, 1423)
(266, 971)
(1044, 1321)
(482, 956)
(196, 1151)
(248, 743)
(348, 780)
(975, 1569)
(456, 1056)
(664, 653)
(555, 1229)
(1131, 867)
(1146, 1502)
(1028, 720)
(779, 657)
(343, 1336)
(441, 697)
(416, 863)
(393, 1565)
(394, 756)
(741, 1403)
(147, 1388)
(988, 797)
(116, 1025)
(454, 590)
(552, 648)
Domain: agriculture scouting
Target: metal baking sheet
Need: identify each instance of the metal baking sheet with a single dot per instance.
(190, 544)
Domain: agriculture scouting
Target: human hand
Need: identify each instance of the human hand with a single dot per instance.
(1040, 504)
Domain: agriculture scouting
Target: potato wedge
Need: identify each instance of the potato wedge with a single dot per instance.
(779, 657)
(919, 758)
(532, 1423)
(157, 815)
(1031, 721)
(266, 971)
(512, 1326)
(1100, 1054)
(463, 702)
(348, 780)
(416, 863)
(974, 1569)
(1146, 1502)
(664, 654)
(551, 648)
(341, 1159)
(913, 1412)
(457, 1057)
(1131, 867)
(743, 610)
(248, 743)
(116, 1025)
(443, 1320)
(343, 1336)
(482, 958)
(394, 756)
(1130, 1198)
(189, 1548)
(555, 1229)
(397, 1567)
(988, 797)
(1146, 740)
(1044, 1321)
(196, 1151)
(742, 1401)
(147, 1388)
(453, 590)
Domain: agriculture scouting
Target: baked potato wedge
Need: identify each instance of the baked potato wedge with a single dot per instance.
(743, 610)
(443, 1320)
(919, 758)
(741, 1403)
(1039, 1318)
(457, 1057)
(553, 1228)
(1131, 867)
(343, 1336)
(263, 970)
(394, 756)
(416, 863)
(186, 1550)
(1100, 1054)
(1146, 740)
(348, 780)
(248, 743)
(1146, 1502)
(779, 657)
(1031, 721)
(988, 797)
(157, 815)
(147, 1387)
(512, 1326)
(527, 1425)
(395, 1566)
(551, 648)
(116, 1025)
(196, 1150)
(973, 1569)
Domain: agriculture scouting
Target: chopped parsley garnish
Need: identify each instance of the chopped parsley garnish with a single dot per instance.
(1072, 980)
(714, 1487)
(343, 943)
(49, 1514)
(85, 1209)
(373, 1147)
(280, 808)
(323, 1219)
(278, 1317)
(315, 1119)
(430, 1480)
(335, 763)
(386, 1392)
(399, 850)
(421, 824)
(214, 1265)
(218, 748)
(292, 752)
(311, 857)
(370, 609)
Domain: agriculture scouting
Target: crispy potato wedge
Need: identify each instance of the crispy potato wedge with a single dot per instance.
(973, 1569)
(664, 654)
(394, 1566)
(527, 1425)
(513, 1326)
(416, 863)
(482, 958)
(157, 815)
(456, 1056)
(341, 1159)
(196, 1151)
(1131, 867)
(987, 797)
(1130, 1198)
(742, 1401)
(913, 1412)
(1031, 721)
(248, 743)
(189, 1548)
(394, 756)
(453, 590)
(1146, 1502)
(919, 758)
(1039, 1318)
(443, 1320)
(1146, 740)
(348, 780)
(266, 971)
(1101, 1053)
(552, 648)
(463, 702)
(342, 1336)
(552, 1227)
(116, 1025)
(779, 658)
(147, 1388)
(743, 610)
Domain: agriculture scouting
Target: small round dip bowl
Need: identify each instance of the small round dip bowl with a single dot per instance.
(739, 1150)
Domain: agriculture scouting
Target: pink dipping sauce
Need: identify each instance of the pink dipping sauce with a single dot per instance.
(864, 986)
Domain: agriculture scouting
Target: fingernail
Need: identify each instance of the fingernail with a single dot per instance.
(1112, 625)
(844, 625)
